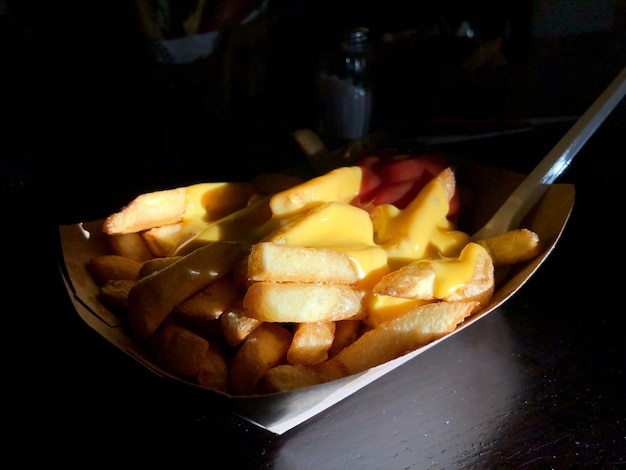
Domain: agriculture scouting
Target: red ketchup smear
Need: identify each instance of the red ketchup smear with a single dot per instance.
(397, 179)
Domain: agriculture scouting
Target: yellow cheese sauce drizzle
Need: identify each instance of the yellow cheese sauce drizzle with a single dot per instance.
(318, 213)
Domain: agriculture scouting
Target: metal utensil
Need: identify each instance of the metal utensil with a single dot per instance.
(530, 190)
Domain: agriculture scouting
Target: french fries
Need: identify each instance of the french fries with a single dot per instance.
(346, 332)
(209, 303)
(213, 370)
(130, 245)
(511, 247)
(426, 279)
(302, 302)
(114, 294)
(236, 326)
(179, 349)
(154, 297)
(279, 284)
(271, 261)
(264, 348)
(376, 346)
(311, 342)
(147, 211)
(115, 267)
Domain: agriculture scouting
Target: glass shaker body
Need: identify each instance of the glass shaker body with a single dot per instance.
(344, 87)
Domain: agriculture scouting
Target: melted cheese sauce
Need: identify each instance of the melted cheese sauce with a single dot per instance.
(318, 213)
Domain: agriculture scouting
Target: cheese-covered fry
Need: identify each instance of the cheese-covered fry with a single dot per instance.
(154, 297)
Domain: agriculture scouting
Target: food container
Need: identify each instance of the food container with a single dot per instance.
(280, 412)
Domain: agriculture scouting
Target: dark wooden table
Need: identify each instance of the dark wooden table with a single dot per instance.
(538, 383)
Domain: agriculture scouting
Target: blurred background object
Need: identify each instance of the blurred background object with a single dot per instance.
(99, 92)
(344, 87)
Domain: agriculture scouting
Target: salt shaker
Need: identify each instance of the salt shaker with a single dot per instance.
(344, 87)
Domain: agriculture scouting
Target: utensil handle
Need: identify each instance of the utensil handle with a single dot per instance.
(530, 190)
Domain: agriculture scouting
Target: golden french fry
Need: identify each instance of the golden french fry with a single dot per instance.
(213, 370)
(287, 377)
(154, 297)
(414, 281)
(178, 349)
(211, 330)
(468, 277)
(196, 204)
(147, 211)
(154, 264)
(246, 225)
(236, 326)
(164, 239)
(346, 332)
(210, 302)
(512, 247)
(387, 341)
(311, 342)
(130, 245)
(339, 185)
(403, 334)
(265, 347)
(114, 267)
(313, 147)
(240, 275)
(114, 294)
(293, 302)
(283, 262)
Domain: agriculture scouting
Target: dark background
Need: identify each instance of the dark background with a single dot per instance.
(90, 109)
(91, 119)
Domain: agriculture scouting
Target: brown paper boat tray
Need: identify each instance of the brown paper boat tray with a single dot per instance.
(280, 412)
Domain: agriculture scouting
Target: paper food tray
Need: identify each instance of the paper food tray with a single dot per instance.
(280, 412)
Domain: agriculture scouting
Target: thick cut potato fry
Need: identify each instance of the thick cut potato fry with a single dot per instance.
(164, 239)
(346, 332)
(282, 262)
(178, 349)
(213, 370)
(512, 247)
(413, 281)
(196, 204)
(130, 245)
(246, 225)
(339, 185)
(388, 341)
(114, 294)
(265, 347)
(210, 302)
(211, 330)
(288, 377)
(403, 334)
(313, 147)
(469, 277)
(147, 211)
(154, 297)
(236, 326)
(154, 264)
(114, 267)
(311, 342)
(240, 275)
(292, 302)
